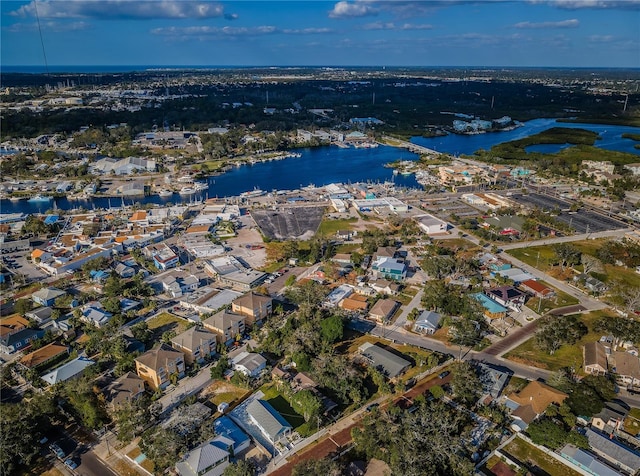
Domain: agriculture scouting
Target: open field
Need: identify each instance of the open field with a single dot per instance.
(329, 227)
(561, 299)
(166, 322)
(565, 356)
(532, 457)
(219, 392)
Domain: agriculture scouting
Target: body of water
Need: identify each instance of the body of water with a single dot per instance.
(456, 144)
(331, 164)
(546, 148)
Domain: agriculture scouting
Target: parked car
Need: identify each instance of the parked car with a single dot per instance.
(444, 374)
(69, 463)
(56, 450)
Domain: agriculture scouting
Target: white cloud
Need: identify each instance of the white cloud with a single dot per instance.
(345, 9)
(600, 38)
(231, 31)
(392, 26)
(53, 26)
(120, 9)
(573, 23)
(592, 4)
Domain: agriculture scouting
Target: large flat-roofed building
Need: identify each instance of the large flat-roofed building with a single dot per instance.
(431, 225)
(208, 299)
(390, 364)
(230, 271)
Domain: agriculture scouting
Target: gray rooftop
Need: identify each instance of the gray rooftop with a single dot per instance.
(268, 419)
(613, 450)
(201, 458)
(391, 364)
(68, 370)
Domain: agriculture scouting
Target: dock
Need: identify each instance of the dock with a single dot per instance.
(418, 149)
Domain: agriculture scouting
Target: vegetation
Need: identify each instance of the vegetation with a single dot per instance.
(555, 331)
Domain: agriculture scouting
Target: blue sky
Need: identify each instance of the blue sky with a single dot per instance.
(556, 33)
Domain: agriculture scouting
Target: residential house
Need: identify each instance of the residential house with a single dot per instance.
(492, 310)
(249, 363)
(531, 402)
(337, 295)
(427, 322)
(390, 268)
(12, 324)
(383, 310)
(431, 225)
(124, 271)
(507, 296)
(68, 371)
(226, 325)
(611, 418)
(125, 389)
(384, 252)
(40, 315)
(47, 296)
(302, 381)
(587, 462)
(209, 459)
(224, 426)
(354, 303)
(255, 307)
(493, 379)
(19, 340)
(268, 420)
(626, 366)
(156, 366)
(538, 289)
(93, 313)
(613, 452)
(592, 284)
(342, 258)
(594, 357)
(44, 355)
(176, 286)
(389, 363)
(162, 255)
(385, 286)
(197, 344)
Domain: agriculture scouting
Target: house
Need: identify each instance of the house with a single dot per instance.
(68, 371)
(156, 366)
(587, 462)
(268, 420)
(209, 459)
(493, 379)
(342, 258)
(627, 368)
(47, 296)
(207, 299)
(592, 284)
(611, 418)
(249, 363)
(12, 324)
(337, 295)
(507, 296)
(226, 325)
(431, 225)
(384, 252)
(594, 357)
(176, 286)
(492, 310)
(390, 268)
(538, 289)
(254, 306)
(125, 389)
(19, 340)
(390, 364)
(612, 451)
(40, 315)
(354, 303)
(531, 402)
(124, 271)
(302, 381)
(427, 322)
(162, 255)
(383, 310)
(224, 426)
(44, 355)
(385, 286)
(197, 344)
(93, 313)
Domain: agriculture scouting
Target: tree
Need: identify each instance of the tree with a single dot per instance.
(465, 383)
(218, 370)
(553, 332)
(306, 403)
(568, 254)
(332, 328)
(22, 306)
(548, 433)
(240, 468)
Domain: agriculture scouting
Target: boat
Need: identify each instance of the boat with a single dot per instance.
(187, 191)
(200, 186)
(256, 192)
(13, 198)
(165, 193)
(39, 198)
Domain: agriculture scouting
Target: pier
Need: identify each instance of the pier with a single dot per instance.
(418, 149)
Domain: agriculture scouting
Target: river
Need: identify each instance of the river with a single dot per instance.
(325, 165)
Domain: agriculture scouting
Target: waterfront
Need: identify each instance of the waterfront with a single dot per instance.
(325, 165)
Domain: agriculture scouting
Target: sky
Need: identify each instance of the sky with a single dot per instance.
(524, 33)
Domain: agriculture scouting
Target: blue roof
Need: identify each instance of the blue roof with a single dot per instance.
(489, 304)
(224, 426)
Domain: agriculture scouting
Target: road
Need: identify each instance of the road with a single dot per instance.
(92, 465)
(567, 239)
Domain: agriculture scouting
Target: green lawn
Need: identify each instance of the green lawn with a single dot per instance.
(167, 322)
(561, 299)
(281, 405)
(406, 295)
(533, 457)
(329, 227)
(565, 356)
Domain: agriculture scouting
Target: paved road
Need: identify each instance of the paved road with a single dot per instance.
(92, 465)
(512, 340)
(566, 239)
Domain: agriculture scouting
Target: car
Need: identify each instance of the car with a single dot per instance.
(372, 406)
(56, 450)
(69, 463)
(444, 374)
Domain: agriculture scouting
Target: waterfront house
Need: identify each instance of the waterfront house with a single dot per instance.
(158, 365)
(125, 389)
(531, 402)
(594, 357)
(68, 371)
(47, 296)
(196, 344)
(255, 307)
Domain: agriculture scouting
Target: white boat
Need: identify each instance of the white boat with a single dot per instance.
(39, 198)
(199, 186)
(187, 191)
(256, 192)
(165, 193)
(15, 199)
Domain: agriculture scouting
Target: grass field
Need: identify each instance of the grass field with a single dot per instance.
(561, 299)
(406, 295)
(329, 227)
(277, 401)
(565, 356)
(532, 456)
(167, 322)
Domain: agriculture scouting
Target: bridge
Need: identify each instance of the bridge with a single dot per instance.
(418, 149)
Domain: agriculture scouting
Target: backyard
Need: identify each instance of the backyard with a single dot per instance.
(281, 405)
(536, 460)
(566, 356)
